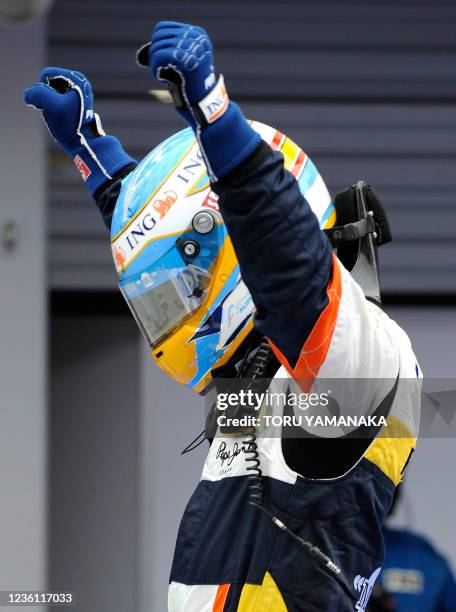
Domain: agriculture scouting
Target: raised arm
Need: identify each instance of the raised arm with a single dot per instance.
(285, 259)
(65, 100)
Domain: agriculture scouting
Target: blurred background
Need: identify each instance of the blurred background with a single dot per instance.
(91, 477)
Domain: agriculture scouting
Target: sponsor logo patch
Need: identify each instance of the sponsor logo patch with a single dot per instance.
(82, 167)
(139, 231)
(237, 310)
(119, 256)
(365, 586)
(164, 204)
(211, 201)
(216, 102)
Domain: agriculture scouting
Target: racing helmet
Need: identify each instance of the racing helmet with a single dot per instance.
(176, 265)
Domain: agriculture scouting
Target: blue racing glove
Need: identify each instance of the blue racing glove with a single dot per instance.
(65, 100)
(181, 55)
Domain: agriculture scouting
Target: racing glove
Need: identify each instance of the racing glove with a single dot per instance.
(65, 100)
(181, 55)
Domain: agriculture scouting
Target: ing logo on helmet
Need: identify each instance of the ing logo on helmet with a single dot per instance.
(119, 256)
(163, 206)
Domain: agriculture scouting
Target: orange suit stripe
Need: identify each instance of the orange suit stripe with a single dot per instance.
(315, 348)
(220, 598)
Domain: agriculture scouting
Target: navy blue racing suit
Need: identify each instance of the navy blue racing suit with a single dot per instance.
(332, 492)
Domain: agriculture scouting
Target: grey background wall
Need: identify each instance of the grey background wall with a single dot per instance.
(94, 429)
(23, 470)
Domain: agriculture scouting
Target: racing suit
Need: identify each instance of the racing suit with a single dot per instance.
(333, 492)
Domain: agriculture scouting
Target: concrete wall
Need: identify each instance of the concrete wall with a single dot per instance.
(93, 461)
(23, 481)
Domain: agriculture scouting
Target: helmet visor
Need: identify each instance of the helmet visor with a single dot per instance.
(163, 296)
